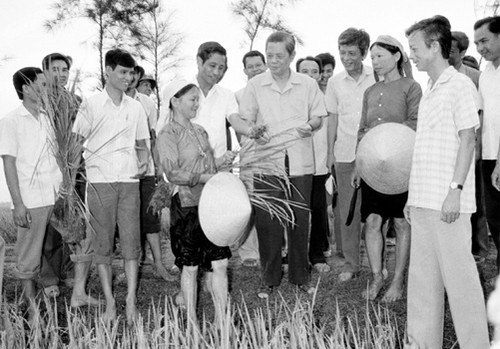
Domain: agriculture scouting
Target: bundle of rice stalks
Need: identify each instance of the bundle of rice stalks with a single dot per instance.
(61, 107)
(162, 196)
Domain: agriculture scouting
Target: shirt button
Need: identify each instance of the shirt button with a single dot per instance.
(379, 119)
(380, 105)
(381, 93)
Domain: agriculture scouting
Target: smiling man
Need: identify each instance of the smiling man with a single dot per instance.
(441, 198)
(115, 128)
(344, 102)
(290, 105)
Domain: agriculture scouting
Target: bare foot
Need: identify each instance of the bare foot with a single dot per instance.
(84, 300)
(164, 274)
(374, 288)
(132, 313)
(110, 313)
(395, 292)
(346, 276)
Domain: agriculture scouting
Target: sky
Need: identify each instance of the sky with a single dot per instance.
(25, 41)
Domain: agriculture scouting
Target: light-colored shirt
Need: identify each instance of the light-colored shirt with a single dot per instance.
(212, 114)
(30, 141)
(152, 115)
(489, 93)
(446, 108)
(395, 101)
(344, 97)
(111, 132)
(320, 147)
(282, 111)
(185, 153)
(472, 73)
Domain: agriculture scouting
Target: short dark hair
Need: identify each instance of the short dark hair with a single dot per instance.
(438, 29)
(207, 49)
(326, 58)
(25, 76)
(308, 58)
(470, 61)
(284, 37)
(461, 39)
(493, 24)
(47, 60)
(253, 53)
(139, 70)
(119, 57)
(355, 37)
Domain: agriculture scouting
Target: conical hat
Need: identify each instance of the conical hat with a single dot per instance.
(224, 209)
(384, 156)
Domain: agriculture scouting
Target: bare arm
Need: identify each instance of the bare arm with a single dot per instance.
(142, 150)
(495, 176)
(20, 214)
(332, 124)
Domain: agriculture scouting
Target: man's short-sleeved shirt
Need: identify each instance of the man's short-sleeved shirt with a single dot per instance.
(152, 115)
(446, 108)
(344, 97)
(30, 141)
(214, 110)
(110, 132)
(489, 93)
(282, 111)
(472, 73)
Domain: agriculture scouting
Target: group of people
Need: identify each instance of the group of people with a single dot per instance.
(322, 118)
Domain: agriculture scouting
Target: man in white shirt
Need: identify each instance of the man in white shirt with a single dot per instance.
(487, 40)
(344, 101)
(32, 175)
(115, 129)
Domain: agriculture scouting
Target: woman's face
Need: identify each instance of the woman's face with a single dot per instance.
(383, 61)
(188, 103)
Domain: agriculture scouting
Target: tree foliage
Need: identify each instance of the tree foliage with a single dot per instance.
(155, 41)
(112, 19)
(263, 14)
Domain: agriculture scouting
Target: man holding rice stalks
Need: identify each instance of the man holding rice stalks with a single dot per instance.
(115, 129)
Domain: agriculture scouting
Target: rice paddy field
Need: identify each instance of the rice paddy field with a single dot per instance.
(335, 317)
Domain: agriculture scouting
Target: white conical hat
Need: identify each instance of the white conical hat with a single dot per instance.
(224, 209)
(384, 156)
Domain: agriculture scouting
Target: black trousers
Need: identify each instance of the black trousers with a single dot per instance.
(318, 242)
(492, 204)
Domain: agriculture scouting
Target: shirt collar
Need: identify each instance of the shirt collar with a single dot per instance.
(105, 98)
(366, 72)
(445, 76)
(268, 80)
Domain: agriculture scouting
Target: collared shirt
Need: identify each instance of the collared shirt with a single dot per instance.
(320, 147)
(152, 115)
(110, 132)
(185, 153)
(446, 108)
(282, 111)
(214, 109)
(344, 97)
(395, 101)
(489, 93)
(472, 73)
(30, 141)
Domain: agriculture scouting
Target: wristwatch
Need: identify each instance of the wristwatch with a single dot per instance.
(455, 185)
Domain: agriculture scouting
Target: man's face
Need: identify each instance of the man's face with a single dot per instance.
(455, 54)
(120, 78)
(351, 57)
(278, 58)
(135, 80)
(145, 87)
(310, 68)
(212, 71)
(325, 75)
(33, 91)
(254, 66)
(58, 72)
(487, 44)
(420, 54)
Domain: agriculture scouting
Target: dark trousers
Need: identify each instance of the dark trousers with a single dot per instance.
(492, 205)
(270, 232)
(318, 242)
(478, 219)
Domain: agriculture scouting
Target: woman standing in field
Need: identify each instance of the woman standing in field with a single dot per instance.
(188, 162)
(393, 99)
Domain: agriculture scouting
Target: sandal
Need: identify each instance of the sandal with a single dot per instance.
(265, 291)
(322, 267)
(52, 291)
(249, 262)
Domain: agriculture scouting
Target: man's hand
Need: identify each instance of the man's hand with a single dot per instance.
(450, 211)
(355, 179)
(406, 212)
(495, 176)
(21, 216)
(304, 130)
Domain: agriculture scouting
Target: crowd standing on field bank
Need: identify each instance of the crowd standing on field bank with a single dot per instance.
(426, 164)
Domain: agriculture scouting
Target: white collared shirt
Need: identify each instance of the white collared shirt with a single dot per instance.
(29, 141)
(110, 132)
(344, 97)
(152, 114)
(489, 94)
(214, 109)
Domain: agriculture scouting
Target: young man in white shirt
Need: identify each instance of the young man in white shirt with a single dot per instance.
(115, 129)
